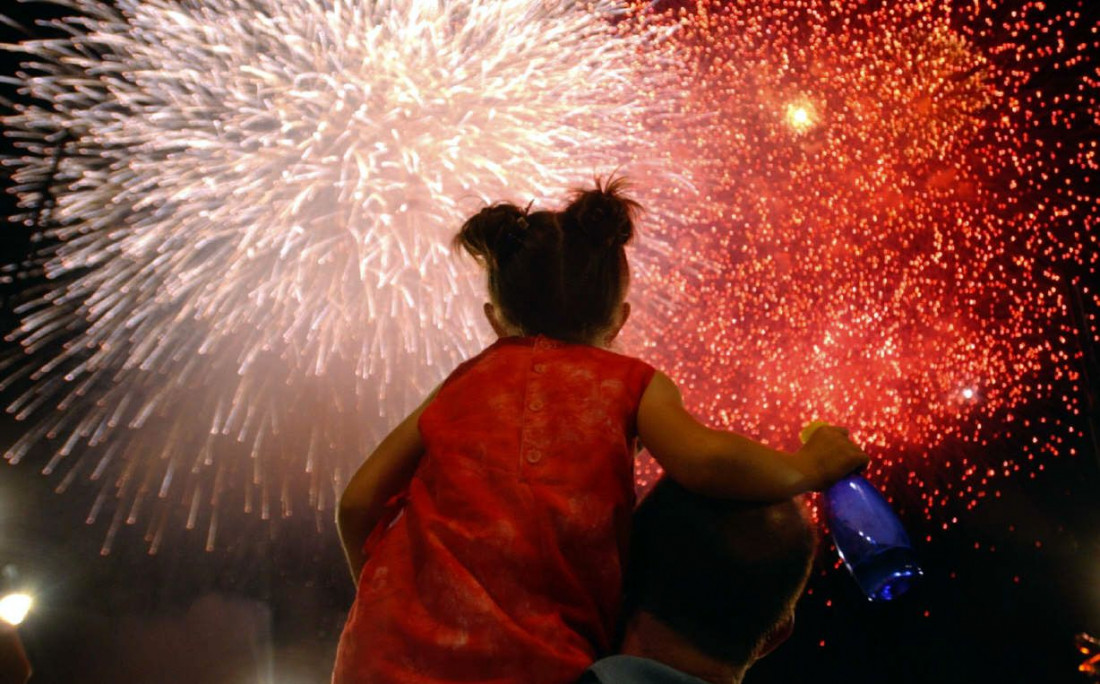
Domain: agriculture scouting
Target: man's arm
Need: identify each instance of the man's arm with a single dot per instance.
(383, 475)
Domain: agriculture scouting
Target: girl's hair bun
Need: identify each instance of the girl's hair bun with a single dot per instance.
(560, 274)
(604, 215)
(494, 234)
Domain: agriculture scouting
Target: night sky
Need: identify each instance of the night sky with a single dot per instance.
(1007, 586)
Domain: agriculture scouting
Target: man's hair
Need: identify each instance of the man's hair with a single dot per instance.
(721, 573)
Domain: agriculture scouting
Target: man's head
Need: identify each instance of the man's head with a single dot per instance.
(722, 575)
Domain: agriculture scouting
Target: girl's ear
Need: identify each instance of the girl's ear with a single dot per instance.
(494, 321)
(623, 314)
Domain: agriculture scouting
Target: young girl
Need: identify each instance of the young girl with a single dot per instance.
(498, 512)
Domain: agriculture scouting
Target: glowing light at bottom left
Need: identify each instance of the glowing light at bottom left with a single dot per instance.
(14, 607)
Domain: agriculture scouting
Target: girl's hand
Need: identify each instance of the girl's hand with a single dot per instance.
(834, 453)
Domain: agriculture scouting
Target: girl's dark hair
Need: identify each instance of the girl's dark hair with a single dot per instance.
(556, 273)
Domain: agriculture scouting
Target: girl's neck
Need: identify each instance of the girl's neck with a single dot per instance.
(521, 335)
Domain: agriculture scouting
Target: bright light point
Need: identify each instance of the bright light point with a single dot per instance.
(799, 117)
(968, 393)
(14, 608)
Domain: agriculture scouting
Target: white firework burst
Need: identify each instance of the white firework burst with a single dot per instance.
(249, 205)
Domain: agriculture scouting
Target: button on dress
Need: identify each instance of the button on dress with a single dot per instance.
(503, 560)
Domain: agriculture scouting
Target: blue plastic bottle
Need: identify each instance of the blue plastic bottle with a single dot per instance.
(869, 537)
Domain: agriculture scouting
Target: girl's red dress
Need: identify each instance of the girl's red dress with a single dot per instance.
(503, 562)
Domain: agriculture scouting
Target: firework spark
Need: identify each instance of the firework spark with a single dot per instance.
(248, 210)
(893, 220)
(898, 202)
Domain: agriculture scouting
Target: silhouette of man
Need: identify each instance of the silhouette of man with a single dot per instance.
(711, 587)
(14, 666)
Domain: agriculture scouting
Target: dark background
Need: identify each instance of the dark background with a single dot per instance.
(1006, 588)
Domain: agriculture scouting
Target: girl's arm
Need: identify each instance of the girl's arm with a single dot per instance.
(381, 477)
(724, 464)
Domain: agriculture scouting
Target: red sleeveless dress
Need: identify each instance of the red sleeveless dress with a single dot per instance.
(503, 561)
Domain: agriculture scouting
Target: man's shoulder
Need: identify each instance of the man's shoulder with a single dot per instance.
(625, 669)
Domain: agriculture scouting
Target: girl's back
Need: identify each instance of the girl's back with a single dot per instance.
(504, 563)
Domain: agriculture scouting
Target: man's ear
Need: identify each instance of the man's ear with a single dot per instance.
(780, 633)
(492, 316)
